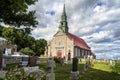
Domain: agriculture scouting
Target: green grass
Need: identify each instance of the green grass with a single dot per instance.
(102, 66)
(99, 71)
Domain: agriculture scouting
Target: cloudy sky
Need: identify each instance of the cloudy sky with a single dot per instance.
(96, 21)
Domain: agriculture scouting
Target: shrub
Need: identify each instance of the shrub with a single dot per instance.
(1, 78)
(57, 60)
(11, 66)
(20, 74)
(116, 67)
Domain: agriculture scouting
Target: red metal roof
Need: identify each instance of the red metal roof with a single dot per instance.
(92, 53)
(79, 41)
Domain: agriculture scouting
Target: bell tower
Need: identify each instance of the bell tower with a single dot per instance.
(63, 27)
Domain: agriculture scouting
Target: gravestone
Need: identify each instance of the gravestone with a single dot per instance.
(75, 72)
(2, 74)
(31, 69)
(85, 67)
(62, 61)
(32, 61)
(1, 56)
(75, 65)
(111, 62)
(69, 58)
(87, 63)
(39, 74)
(51, 65)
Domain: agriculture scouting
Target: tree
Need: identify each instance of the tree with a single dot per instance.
(9, 34)
(39, 46)
(16, 36)
(23, 40)
(1, 30)
(27, 51)
(15, 13)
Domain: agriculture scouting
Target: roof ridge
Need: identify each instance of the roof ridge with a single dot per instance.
(78, 41)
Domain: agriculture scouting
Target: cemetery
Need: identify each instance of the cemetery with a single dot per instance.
(52, 70)
(25, 55)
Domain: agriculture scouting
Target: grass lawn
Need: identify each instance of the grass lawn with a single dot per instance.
(99, 71)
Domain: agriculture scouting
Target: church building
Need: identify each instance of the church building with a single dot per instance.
(65, 44)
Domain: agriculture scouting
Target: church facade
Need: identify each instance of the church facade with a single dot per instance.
(65, 44)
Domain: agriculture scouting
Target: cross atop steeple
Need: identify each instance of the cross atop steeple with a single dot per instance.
(63, 27)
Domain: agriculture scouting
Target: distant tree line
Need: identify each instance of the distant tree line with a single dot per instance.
(25, 43)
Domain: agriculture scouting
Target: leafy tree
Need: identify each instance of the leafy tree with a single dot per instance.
(9, 34)
(27, 51)
(18, 37)
(14, 12)
(23, 40)
(1, 30)
(39, 46)
(29, 41)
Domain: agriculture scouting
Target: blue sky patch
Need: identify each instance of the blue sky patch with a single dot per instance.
(100, 3)
(52, 13)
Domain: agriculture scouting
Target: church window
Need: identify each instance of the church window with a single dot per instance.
(59, 43)
(78, 52)
(82, 53)
(68, 46)
(88, 53)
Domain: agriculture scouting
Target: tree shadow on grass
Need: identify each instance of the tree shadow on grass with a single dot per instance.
(95, 74)
(63, 73)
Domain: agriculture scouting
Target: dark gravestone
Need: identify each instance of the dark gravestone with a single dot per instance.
(75, 72)
(69, 56)
(75, 64)
(32, 61)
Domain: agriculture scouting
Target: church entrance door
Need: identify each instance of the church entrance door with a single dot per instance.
(59, 54)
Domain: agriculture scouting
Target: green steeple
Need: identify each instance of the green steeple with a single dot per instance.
(64, 17)
(63, 24)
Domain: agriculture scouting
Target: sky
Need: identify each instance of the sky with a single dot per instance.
(96, 21)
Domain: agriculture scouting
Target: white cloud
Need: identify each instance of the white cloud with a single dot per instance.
(96, 21)
(99, 9)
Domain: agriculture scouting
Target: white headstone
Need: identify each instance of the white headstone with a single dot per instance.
(31, 69)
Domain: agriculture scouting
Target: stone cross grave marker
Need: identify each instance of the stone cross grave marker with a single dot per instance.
(51, 65)
(87, 63)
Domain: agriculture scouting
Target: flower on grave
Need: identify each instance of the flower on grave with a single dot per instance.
(19, 74)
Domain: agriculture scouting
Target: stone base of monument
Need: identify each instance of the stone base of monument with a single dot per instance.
(50, 76)
(74, 75)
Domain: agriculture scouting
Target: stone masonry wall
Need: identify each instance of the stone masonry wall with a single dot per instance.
(61, 43)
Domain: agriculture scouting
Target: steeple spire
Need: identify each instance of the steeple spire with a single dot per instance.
(64, 17)
(63, 24)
